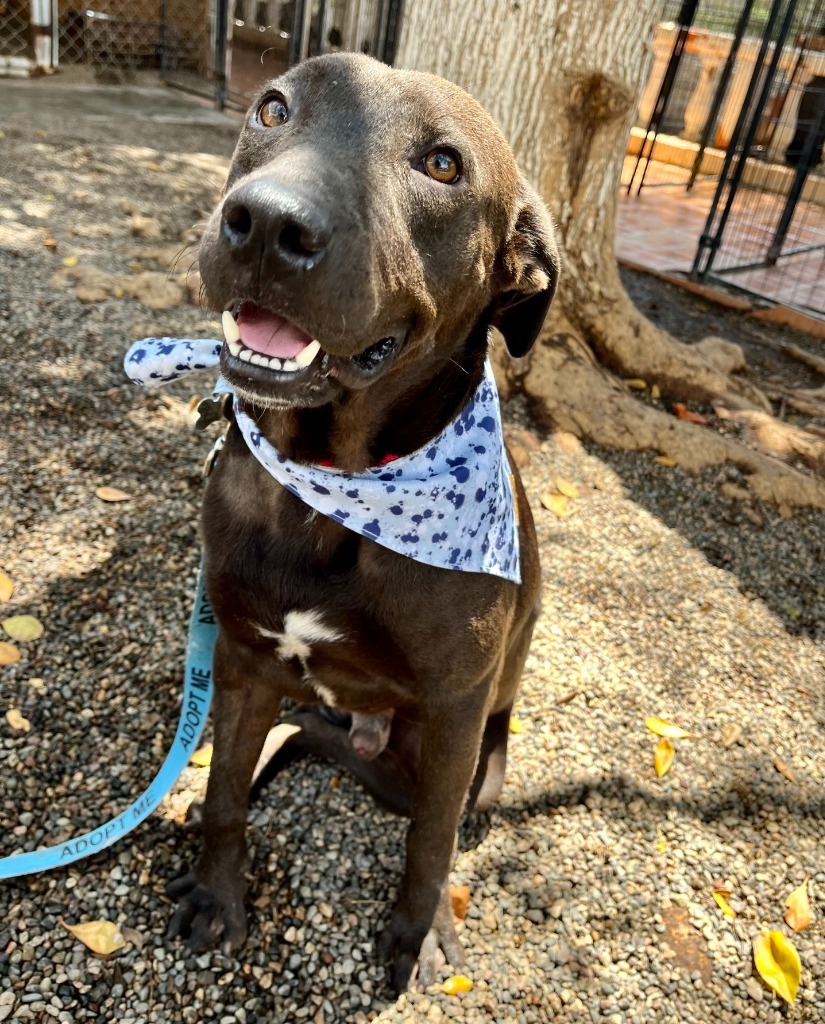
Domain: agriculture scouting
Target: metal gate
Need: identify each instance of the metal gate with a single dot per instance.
(768, 214)
(743, 92)
(220, 49)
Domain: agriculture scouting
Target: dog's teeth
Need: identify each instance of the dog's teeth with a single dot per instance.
(275, 363)
(259, 360)
(290, 365)
(230, 328)
(246, 355)
(234, 348)
(306, 355)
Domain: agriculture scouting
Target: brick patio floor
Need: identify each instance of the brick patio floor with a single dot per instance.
(660, 229)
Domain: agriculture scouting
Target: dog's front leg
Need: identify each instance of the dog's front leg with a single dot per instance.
(422, 920)
(211, 898)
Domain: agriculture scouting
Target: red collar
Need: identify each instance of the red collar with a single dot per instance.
(329, 464)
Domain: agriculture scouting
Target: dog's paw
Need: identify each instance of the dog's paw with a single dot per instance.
(412, 958)
(207, 916)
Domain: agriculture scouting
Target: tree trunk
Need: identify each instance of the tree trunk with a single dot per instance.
(562, 78)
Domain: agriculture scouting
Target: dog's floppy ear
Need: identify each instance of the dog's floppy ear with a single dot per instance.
(530, 272)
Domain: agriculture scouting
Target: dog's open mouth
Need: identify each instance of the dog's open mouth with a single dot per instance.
(272, 351)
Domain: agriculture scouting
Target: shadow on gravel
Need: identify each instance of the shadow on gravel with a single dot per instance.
(741, 801)
(780, 561)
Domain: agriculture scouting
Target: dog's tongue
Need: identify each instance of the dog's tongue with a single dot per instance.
(270, 334)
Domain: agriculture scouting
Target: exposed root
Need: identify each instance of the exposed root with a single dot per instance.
(804, 401)
(632, 346)
(808, 358)
(782, 440)
(573, 392)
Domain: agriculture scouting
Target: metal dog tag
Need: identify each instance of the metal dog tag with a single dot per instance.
(210, 410)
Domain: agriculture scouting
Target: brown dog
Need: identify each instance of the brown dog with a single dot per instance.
(381, 213)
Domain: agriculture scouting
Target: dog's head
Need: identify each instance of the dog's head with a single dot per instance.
(373, 219)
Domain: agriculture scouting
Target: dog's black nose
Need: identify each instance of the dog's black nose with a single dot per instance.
(266, 221)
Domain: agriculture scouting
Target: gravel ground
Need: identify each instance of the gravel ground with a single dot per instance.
(589, 884)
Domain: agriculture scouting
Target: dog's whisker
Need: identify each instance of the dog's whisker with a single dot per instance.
(463, 370)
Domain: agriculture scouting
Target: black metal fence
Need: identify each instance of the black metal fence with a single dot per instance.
(220, 49)
(743, 91)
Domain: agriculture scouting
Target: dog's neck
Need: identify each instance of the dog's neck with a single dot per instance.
(394, 417)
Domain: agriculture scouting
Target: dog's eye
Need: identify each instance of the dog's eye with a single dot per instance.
(443, 166)
(272, 112)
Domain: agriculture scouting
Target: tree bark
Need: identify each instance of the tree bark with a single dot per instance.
(562, 78)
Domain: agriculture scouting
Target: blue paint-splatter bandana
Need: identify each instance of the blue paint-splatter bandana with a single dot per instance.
(448, 504)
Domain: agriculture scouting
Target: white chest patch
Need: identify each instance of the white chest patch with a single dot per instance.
(301, 630)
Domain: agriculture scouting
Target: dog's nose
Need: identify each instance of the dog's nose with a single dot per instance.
(266, 221)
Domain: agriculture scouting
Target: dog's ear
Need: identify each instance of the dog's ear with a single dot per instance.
(530, 272)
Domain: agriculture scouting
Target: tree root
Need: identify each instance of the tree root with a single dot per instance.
(807, 358)
(571, 391)
(632, 346)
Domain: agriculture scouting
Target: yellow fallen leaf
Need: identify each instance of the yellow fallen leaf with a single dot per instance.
(557, 504)
(460, 900)
(566, 488)
(6, 587)
(202, 756)
(101, 937)
(722, 903)
(663, 758)
(111, 494)
(663, 728)
(661, 842)
(731, 734)
(783, 769)
(516, 725)
(799, 915)
(665, 460)
(17, 721)
(456, 984)
(70, 261)
(23, 627)
(777, 962)
(152, 166)
(655, 393)
(9, 654)
(636, 383)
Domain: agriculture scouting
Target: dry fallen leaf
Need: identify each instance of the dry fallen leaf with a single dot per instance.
(663, 728)
(9, 654)
(6, 587)
(152, 166)
(17, 721)
(111, 494)
(799, 915)
(655, 393)
(567, 698)
(731, 734)
(50, 243)
(566, 488)
(202, 756)
(101, 937)
(663, 758)
(557, 504)
(23, 627)
(636, 383)
(516, 725)
(777, 962)
(783, 769)
(682, 412)
(665, 460)
(721, 900)
(460, 900)
(457, 984)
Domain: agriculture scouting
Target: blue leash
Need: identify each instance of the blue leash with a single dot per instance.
(197, 696)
